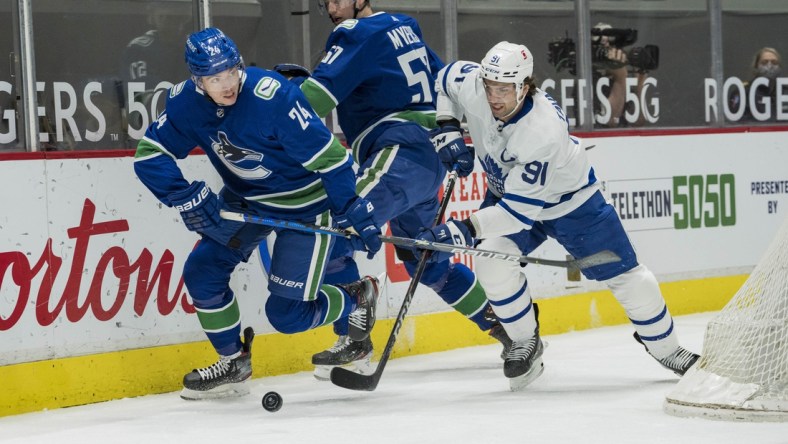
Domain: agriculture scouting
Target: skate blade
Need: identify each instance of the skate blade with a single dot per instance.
(383, 279)
(520, 382)
(232, 390)
(362, 367)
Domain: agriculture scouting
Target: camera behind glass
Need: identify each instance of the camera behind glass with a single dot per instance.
(562, 54)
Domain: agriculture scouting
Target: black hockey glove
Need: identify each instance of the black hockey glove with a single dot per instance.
(295, 73)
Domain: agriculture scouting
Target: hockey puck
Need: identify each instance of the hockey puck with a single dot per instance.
(272, 401)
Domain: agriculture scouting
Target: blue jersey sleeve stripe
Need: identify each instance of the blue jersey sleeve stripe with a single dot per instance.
(525, 220)
(523, 199)
(567, 196)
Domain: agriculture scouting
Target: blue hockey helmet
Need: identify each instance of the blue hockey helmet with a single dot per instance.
(209, 52)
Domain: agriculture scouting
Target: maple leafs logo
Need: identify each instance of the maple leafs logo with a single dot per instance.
(495, 175)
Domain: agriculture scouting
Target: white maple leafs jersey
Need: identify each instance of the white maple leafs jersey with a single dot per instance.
(536, 168)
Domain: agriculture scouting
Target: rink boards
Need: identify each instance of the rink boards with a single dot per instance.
(92, 305)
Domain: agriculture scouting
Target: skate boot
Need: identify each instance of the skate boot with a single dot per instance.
(523, 362)
(498, 332)
(362, 319)
(353, 355)
(678, 362)
(226, 378)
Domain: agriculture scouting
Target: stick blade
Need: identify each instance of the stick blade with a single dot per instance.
(345, 378)
(603, 257)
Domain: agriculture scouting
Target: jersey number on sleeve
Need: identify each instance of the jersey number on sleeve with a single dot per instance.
(300, 114)
(417, 73)
(332, 55)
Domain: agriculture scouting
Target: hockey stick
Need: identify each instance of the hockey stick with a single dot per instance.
(603, 257)
(356, 381)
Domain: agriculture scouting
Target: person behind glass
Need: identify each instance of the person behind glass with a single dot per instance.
(151, 62)
(378, 74)
(540, 184)
(615, 70)
(276, 159)
(761, 104)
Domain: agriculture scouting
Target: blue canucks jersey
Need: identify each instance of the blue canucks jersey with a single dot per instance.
(269, 147)
(377, 71)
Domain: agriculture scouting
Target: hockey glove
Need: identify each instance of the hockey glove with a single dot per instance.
(295, 73)
(453, 232)
(450, 145)
(359, 217)
(198, 205)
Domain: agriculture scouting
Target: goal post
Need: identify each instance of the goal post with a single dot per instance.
(742, 374)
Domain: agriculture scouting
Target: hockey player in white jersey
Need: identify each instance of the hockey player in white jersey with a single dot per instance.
(540, 184)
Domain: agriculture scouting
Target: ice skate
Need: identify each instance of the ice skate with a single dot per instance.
(352, 355)
(498, 332)
(523, 362)
(362, 319)
(678, 362)
(226, 378)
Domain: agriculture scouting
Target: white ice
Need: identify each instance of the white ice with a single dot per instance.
(599, 386)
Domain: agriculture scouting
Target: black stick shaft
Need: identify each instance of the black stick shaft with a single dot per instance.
(354, 381)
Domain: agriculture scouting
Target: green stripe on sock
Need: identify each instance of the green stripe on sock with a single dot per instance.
(216, 320)
(336, 301)
(471, 302)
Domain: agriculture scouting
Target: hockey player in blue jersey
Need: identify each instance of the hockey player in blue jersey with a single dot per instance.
(276, 159)
(378, 74)
(541, 184)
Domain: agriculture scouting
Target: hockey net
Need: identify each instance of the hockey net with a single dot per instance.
(742, 374)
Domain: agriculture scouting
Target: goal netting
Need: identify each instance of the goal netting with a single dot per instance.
(742, 374)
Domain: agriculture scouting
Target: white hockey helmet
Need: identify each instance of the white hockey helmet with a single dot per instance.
(508, 62)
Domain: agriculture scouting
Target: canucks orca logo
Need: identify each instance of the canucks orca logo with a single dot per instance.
(495, 175)
(243, 162)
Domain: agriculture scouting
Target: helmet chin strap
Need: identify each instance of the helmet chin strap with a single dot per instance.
(520, 98)
(357, 10)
